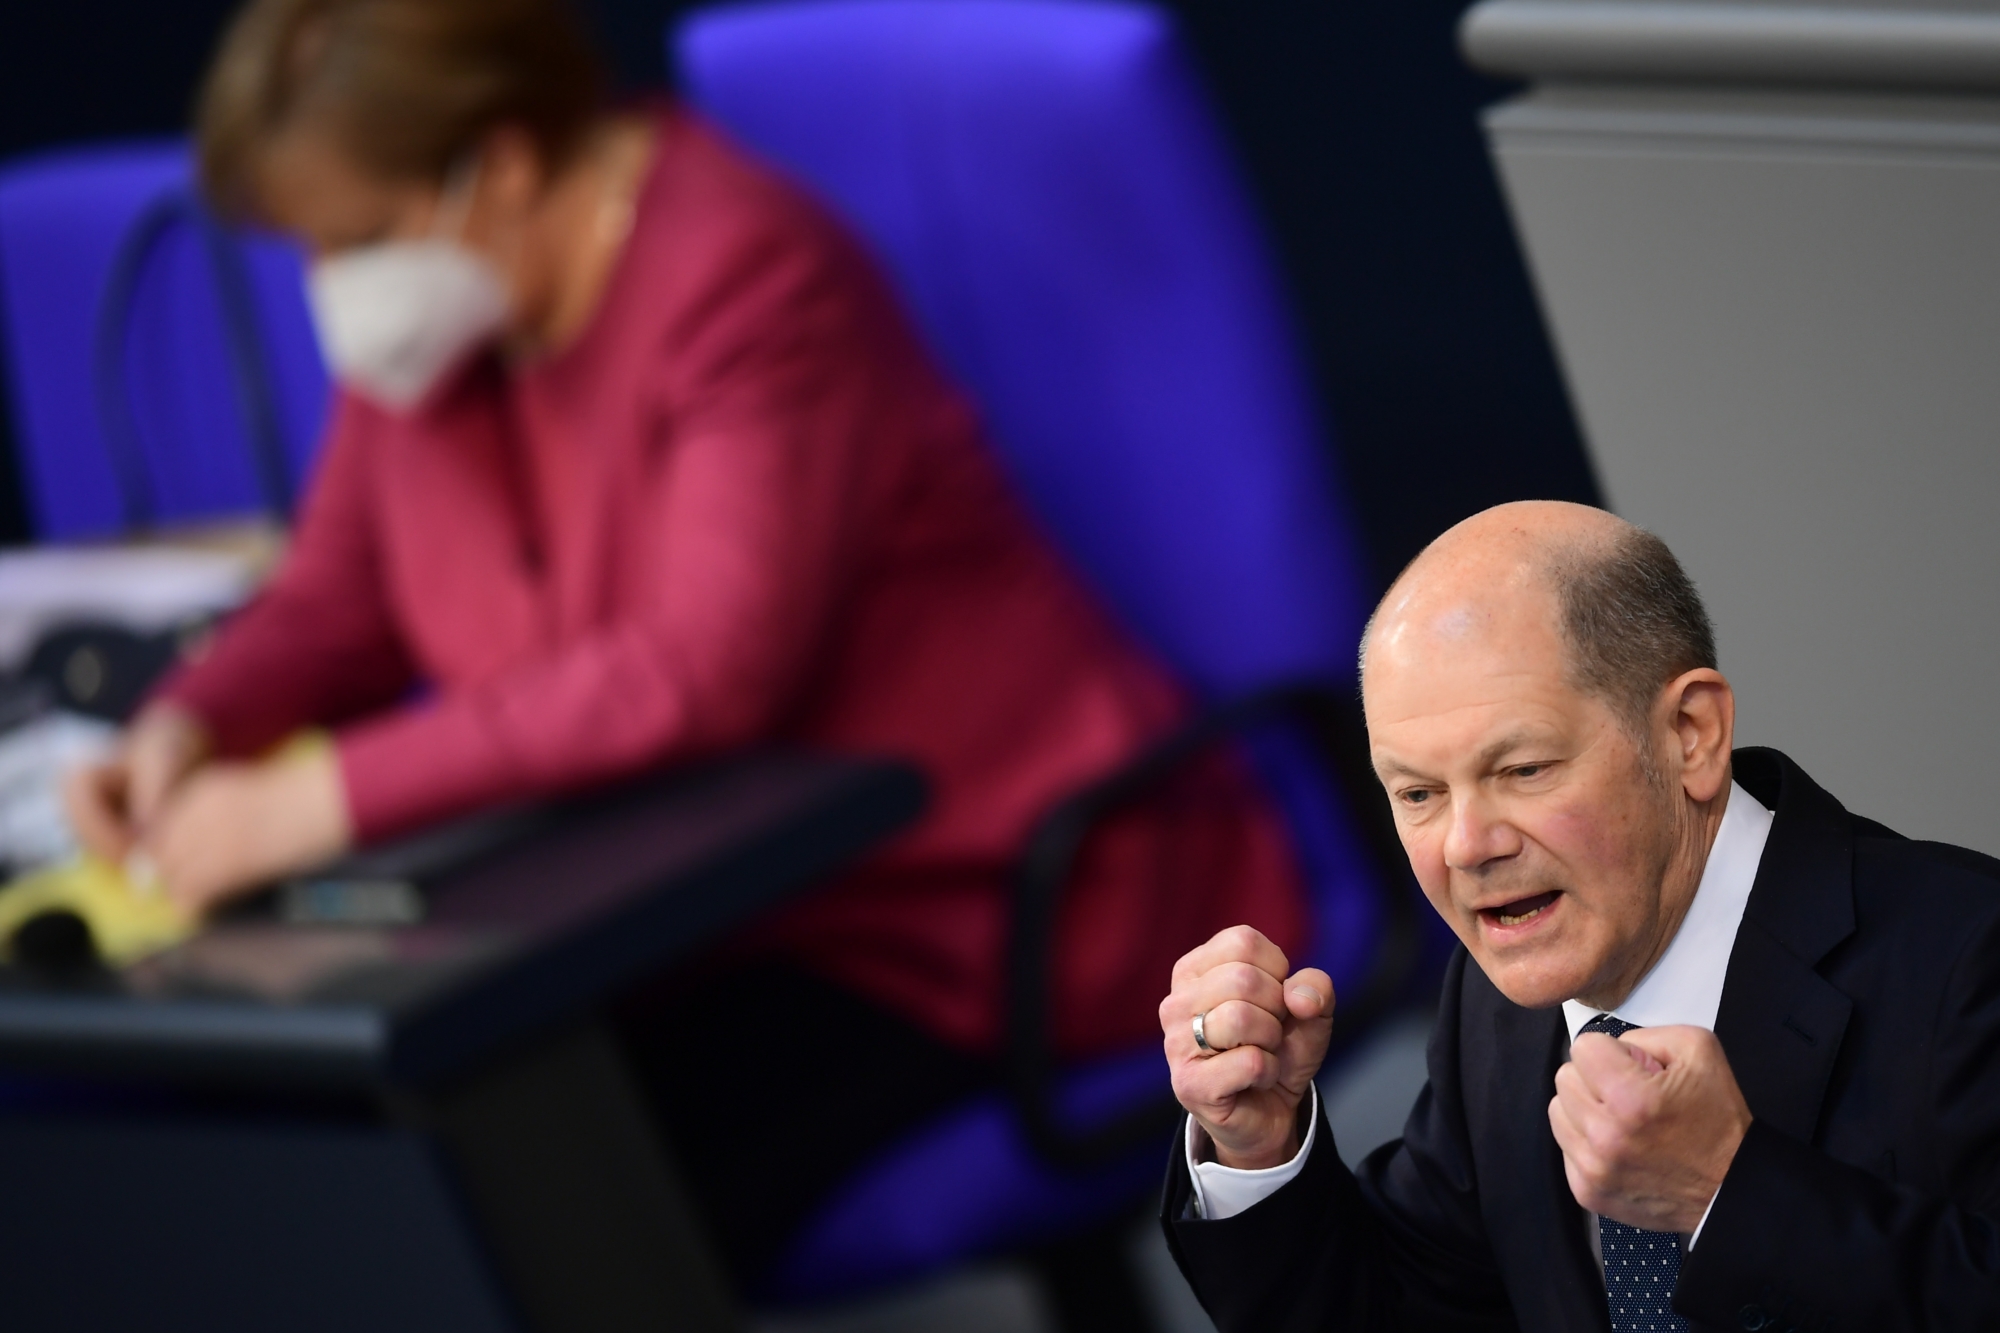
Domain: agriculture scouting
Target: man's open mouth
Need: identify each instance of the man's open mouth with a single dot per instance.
(1521, 910)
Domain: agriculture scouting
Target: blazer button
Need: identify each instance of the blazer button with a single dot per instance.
(1753, 1318)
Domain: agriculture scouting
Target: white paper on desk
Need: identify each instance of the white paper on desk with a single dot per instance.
(141, 588)
(34, 757)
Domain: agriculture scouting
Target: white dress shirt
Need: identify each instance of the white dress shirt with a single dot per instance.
(1685, 986)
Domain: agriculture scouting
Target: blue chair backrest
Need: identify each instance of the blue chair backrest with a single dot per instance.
(161, 369)
(1045, 183)
(1048, 188)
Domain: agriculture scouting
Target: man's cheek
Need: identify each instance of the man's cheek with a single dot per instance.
(1425, 849)
(1441, 901)
(1584, 836)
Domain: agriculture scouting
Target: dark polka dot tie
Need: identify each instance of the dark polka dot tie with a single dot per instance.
(1640, 1267)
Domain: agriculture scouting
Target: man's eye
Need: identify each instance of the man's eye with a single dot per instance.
(1416, 797)
(1529, 770)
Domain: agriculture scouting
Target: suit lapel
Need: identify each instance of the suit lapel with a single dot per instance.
(1583, 1284)
(1780, 1022)
(1538, 1226)
(1781, 1025)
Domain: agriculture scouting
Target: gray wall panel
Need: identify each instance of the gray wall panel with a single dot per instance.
(1779, 317)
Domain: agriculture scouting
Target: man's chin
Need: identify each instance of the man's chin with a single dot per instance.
(1531, 982)
(1535, 996)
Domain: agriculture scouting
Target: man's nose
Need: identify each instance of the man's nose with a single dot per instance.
(1478, 835)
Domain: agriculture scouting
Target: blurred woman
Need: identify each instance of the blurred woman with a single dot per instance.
(636, 459)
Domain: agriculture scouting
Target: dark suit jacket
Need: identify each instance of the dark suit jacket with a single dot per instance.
(1861, 1015)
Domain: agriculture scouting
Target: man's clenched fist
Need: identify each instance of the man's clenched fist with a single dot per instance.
(1648, 1124)
(1267, 1031)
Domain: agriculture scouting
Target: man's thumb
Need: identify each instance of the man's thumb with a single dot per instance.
(1651, 1049)
(1309, 993)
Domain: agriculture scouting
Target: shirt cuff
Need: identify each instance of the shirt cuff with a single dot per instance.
(1224, 1191)
(1695, 1235)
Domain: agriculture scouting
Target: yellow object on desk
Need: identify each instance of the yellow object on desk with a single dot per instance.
(125, 924)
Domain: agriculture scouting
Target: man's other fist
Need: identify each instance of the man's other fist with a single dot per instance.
(1648, 1124)
(1266, 1030)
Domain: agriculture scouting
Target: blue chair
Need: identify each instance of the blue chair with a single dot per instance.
(162, 369)
(1045, 184)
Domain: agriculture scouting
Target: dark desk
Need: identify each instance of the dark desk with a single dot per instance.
(420, 1127)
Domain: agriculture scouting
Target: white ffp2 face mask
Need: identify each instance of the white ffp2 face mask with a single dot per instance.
(394, 317)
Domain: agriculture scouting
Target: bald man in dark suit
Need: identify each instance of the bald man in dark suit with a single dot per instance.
(1714, 1053)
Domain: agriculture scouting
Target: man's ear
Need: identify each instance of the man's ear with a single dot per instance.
(1700, 719)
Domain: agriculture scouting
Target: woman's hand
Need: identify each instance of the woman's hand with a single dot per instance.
(232, 826)
(111, 804)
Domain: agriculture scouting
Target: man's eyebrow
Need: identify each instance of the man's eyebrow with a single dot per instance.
(1513, 740)
(1488, 754)
(1397, 768)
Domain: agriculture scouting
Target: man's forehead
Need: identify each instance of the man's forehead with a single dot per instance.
(1472, 672)
(1408, 629)
(1445, 626)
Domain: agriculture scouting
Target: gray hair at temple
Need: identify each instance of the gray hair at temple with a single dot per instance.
(1631, 621)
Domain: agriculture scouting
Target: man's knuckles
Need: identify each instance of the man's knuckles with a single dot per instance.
(1235, 1069)
(1217, 985)
(1596, 1056)
(1237, 944)
(1630, 1084)
(1236, 1023)
(1217, 1082)
(1596, 1132)
(1239, 981)
(1594, 1179)
(1251, 1066)
(1631, 1098)
(1608, 1141)
(1251, 945)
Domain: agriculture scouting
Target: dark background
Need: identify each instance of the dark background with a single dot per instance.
(1356, 123)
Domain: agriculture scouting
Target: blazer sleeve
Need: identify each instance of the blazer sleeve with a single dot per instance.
(778, 383)
(1398, 1245)
(318, 644)
(1798, 1239)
